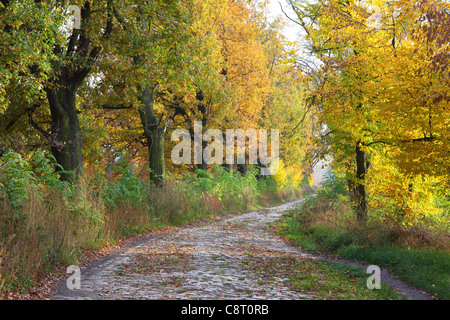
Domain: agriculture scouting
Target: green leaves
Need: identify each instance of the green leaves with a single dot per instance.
(26, 48)
(19, 176)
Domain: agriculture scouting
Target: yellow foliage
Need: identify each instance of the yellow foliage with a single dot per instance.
(281, 177)
(384, 86)
(296, 174)
(410, 197)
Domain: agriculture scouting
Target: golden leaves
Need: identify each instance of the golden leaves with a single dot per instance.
(387, 87)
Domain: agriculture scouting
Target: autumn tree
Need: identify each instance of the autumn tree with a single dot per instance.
(376, 64)
(66, 70)
(230, 92)
(286, 108)
(108, 31)
(26, 57)
(172, 55)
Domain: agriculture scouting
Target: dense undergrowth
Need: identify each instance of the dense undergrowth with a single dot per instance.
(418, 253)
(44, 221)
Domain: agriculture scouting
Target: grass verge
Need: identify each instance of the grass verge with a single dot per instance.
(423, 263)
(319, 280)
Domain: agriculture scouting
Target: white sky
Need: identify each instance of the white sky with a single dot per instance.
(292, 30)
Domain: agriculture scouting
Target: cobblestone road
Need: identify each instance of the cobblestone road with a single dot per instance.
(206, 261)
(201, 262)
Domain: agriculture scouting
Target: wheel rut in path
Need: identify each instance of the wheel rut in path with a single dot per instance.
(204, 262)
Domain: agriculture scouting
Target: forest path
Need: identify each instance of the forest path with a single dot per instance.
(205, 261)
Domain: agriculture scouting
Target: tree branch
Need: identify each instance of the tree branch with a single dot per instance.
(119, 106)
(427, 139)
(109, 20)
(35, 124)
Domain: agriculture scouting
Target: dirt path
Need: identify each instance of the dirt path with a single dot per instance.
(197, 262)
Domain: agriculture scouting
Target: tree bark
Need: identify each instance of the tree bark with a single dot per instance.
(242, 168)
(155, 140)
(154, 134)
(66, 144)
(201, 107)
(360, 185)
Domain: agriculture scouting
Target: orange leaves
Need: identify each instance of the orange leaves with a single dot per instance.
(245, 62)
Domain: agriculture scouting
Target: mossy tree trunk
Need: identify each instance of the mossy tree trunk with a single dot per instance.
(154, 134)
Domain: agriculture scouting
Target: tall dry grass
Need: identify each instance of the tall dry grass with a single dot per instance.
(55, 225)
(47, 230)
(334, 220)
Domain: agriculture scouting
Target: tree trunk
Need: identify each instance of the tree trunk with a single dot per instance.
(155, 140)
(227, 166)
(154, 135)
(66, 144)
(242, 168)
(360, 185)
(203, 166)
(201, 107)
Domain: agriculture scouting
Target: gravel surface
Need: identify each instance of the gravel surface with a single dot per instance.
(204, 261)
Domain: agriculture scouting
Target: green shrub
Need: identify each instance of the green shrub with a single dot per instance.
(44, 221)
(15, 180)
